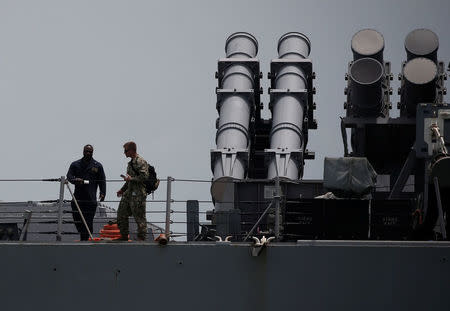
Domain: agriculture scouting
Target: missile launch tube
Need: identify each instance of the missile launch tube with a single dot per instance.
(288, 109)
(366, 92)
(422, 43)
(235, 110)
(420, 83)
(294, 45)
(229, 160)
(368, 43)
(234, 115)
(241, 45)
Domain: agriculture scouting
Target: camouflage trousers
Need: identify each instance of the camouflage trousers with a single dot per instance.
(132, 205)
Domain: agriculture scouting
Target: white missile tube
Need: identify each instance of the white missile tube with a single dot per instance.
(288, 109)
(229, 160)
(235, 109)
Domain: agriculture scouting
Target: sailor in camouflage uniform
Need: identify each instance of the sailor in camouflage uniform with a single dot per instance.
(133, 194)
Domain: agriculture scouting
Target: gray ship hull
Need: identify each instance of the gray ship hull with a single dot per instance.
(308, 275)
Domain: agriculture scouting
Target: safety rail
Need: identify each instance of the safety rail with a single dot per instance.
(58, 212)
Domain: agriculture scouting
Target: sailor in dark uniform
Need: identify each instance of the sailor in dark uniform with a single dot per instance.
(86, 174)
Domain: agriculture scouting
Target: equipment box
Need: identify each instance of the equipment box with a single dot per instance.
(327, 219)
(391, 219)
(345, 219)
(302, 220)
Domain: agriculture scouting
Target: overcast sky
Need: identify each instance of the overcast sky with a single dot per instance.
(105, 72)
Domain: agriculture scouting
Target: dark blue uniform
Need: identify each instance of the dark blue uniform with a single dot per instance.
(86, 193)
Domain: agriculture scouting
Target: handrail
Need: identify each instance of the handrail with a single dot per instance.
(58, 208)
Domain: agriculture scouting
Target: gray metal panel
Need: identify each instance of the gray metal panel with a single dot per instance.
(308, 276)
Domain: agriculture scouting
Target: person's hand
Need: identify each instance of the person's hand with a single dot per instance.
(102, 197)
(126, 178)
(119, 193)
(79, 181)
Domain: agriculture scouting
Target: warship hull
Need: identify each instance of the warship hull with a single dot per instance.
(307, 275)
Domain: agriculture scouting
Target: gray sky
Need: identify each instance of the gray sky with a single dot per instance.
(105, 72)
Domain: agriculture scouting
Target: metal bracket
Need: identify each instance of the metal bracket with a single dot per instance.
(223, 154)
(253, 65)
(223, 94)
(276, 93)
(309, 155)
(404, 174)
(296, 154)
(306, 66)
(260, 245)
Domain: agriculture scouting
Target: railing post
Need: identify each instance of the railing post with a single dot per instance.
(60, 207)
(192, 222)
(168, 202)
(276, 199)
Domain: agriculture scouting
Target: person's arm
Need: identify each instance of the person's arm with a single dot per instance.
(124, 187)
(71, 175)
(102, 183)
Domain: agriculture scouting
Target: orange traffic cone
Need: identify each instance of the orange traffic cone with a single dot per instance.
(110, 232)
